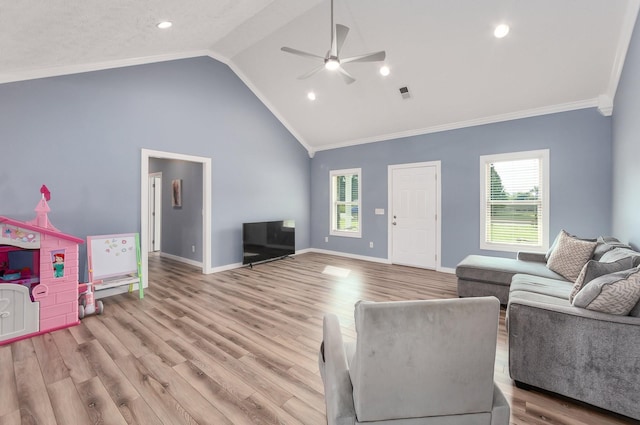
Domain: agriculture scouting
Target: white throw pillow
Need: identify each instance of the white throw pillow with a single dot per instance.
(570, 255)
(615, 293)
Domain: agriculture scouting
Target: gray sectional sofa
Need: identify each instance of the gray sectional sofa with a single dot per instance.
(567, 348)
(480, 275)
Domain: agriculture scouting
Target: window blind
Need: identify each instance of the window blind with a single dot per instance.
(514, 202)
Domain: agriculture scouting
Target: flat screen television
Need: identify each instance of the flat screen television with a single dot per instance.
(268, 240)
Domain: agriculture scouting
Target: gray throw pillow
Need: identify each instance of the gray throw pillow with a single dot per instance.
(594, 269)
(605, 244)
(615, 293)
(570, 255)
(619, 252)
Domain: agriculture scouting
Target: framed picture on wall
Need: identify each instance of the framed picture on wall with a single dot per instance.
(176, 193)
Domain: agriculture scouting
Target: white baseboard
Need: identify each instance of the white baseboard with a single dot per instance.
(225, 268)
(446, 270)
(182, 259)
(372, 259)
(347, 255)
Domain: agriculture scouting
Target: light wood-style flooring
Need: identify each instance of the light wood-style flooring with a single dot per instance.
(236, 347)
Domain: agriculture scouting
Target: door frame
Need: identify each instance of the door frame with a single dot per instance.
(157, 233)
(390, 169)
(146, 154)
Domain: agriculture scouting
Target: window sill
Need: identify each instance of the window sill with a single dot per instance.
(346, 234)
(511, 247)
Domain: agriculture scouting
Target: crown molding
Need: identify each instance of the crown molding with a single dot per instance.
(528, 113)
(247, 82)
(626, 32)
(96, 66)
(605, 105)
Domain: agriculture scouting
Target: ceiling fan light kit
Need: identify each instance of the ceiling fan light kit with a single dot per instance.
(332, 64)
(332, 60)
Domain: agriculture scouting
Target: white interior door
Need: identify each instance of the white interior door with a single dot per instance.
(155, 211)
(413, 214)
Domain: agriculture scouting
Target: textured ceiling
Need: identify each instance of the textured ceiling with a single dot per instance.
(560, 55)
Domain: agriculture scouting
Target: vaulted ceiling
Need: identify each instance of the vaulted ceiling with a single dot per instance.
(559, 55)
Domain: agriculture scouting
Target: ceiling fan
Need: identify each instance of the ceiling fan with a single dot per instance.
(332, 60)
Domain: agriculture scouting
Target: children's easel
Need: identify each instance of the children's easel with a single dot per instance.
(114, 260)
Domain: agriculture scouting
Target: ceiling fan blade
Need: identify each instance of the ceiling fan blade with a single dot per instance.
(312, 72)
(300, 53)
(346, 76)
(369, 57)
(340, 35)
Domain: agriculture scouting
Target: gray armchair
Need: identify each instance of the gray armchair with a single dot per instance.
(415, 362)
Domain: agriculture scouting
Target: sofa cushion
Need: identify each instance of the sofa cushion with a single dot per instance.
(615, 293)
(498, 270)
(473, 288)
(552, 246)
(636, 310)
(621, 252)
(605, 244)
(541, 285)
(570, 255)
(594, 269)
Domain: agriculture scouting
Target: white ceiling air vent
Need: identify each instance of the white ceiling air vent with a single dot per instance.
(404, 92)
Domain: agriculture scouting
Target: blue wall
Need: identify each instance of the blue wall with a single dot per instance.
(82, 135)
(580, 174)
(181, 226)
(626, 147)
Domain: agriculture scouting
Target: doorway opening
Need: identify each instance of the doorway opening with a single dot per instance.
(146, 156)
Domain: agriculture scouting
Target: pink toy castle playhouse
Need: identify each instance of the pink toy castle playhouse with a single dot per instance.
(38, 276)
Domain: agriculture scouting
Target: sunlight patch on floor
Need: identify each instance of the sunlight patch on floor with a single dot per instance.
(336, 271)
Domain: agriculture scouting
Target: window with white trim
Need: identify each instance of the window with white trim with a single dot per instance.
(345, 203)
(514, 201)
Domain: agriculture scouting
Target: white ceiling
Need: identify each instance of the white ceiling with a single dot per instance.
(560, 55)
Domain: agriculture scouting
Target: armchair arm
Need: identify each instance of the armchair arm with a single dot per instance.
(500, 412)
(338, 391)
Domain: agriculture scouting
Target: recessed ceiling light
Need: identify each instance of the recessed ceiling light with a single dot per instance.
(311, 96)
(501, 31)
(164, 25)
(384, 70)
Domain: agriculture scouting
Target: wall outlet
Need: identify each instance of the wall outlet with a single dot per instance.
(370, 244)
(193, 248)
(326, 238)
